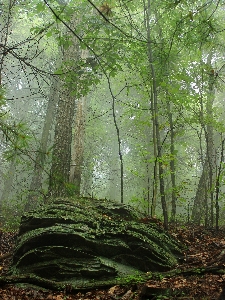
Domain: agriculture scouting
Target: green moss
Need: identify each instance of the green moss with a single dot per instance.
(83, 239)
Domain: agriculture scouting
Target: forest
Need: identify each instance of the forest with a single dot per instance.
(117, 100)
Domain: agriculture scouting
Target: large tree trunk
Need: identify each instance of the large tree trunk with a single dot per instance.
(198, 210)
(61, 159)
(77, 150)
(78, 146)
(62, 146)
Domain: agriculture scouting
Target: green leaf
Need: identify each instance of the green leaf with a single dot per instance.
(49, 34)
(36, 29)
(113, 73)
(58, 72)
(40, 7)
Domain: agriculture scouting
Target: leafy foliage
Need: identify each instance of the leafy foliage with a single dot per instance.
(116, 67)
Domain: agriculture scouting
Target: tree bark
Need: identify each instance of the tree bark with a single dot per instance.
(61, 157)
(155, 172)
(172, 163)
(218, 184)
(8, 182)
(36, 182)
(77, 151)
(155, 115)
(205, 191)
(78, 146)
(210, 138)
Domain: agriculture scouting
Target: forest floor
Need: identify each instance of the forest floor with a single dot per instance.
(206, 248)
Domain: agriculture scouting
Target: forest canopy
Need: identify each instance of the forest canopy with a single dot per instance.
(122, 100)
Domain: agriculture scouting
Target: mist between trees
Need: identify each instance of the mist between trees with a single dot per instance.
(121, 100)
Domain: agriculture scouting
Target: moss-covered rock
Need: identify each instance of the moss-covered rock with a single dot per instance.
(81, 240)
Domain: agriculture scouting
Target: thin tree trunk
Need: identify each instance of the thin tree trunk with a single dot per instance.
(36, 182)
(155, 169)
(218, 184)
(156, 119)
(113, 171)
(118, 139)
(172, 163)
(209, 137)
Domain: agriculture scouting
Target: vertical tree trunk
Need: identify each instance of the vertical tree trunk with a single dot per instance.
(36, 181)
(209, 137)
(8, 182)
(155, 169)
(119, 141)
(205, 190)
(198, 210)
(114, 168)
(61, 157)
(155, 114)
(87, 177)
(218, 183)
(172, 163)
(77, 151)
(78, 146)
(5, 27)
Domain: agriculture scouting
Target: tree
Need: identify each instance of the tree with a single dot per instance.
(61, 156)
(128, 137)
(154, 99)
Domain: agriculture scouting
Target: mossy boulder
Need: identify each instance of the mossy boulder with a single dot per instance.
(85, 241)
